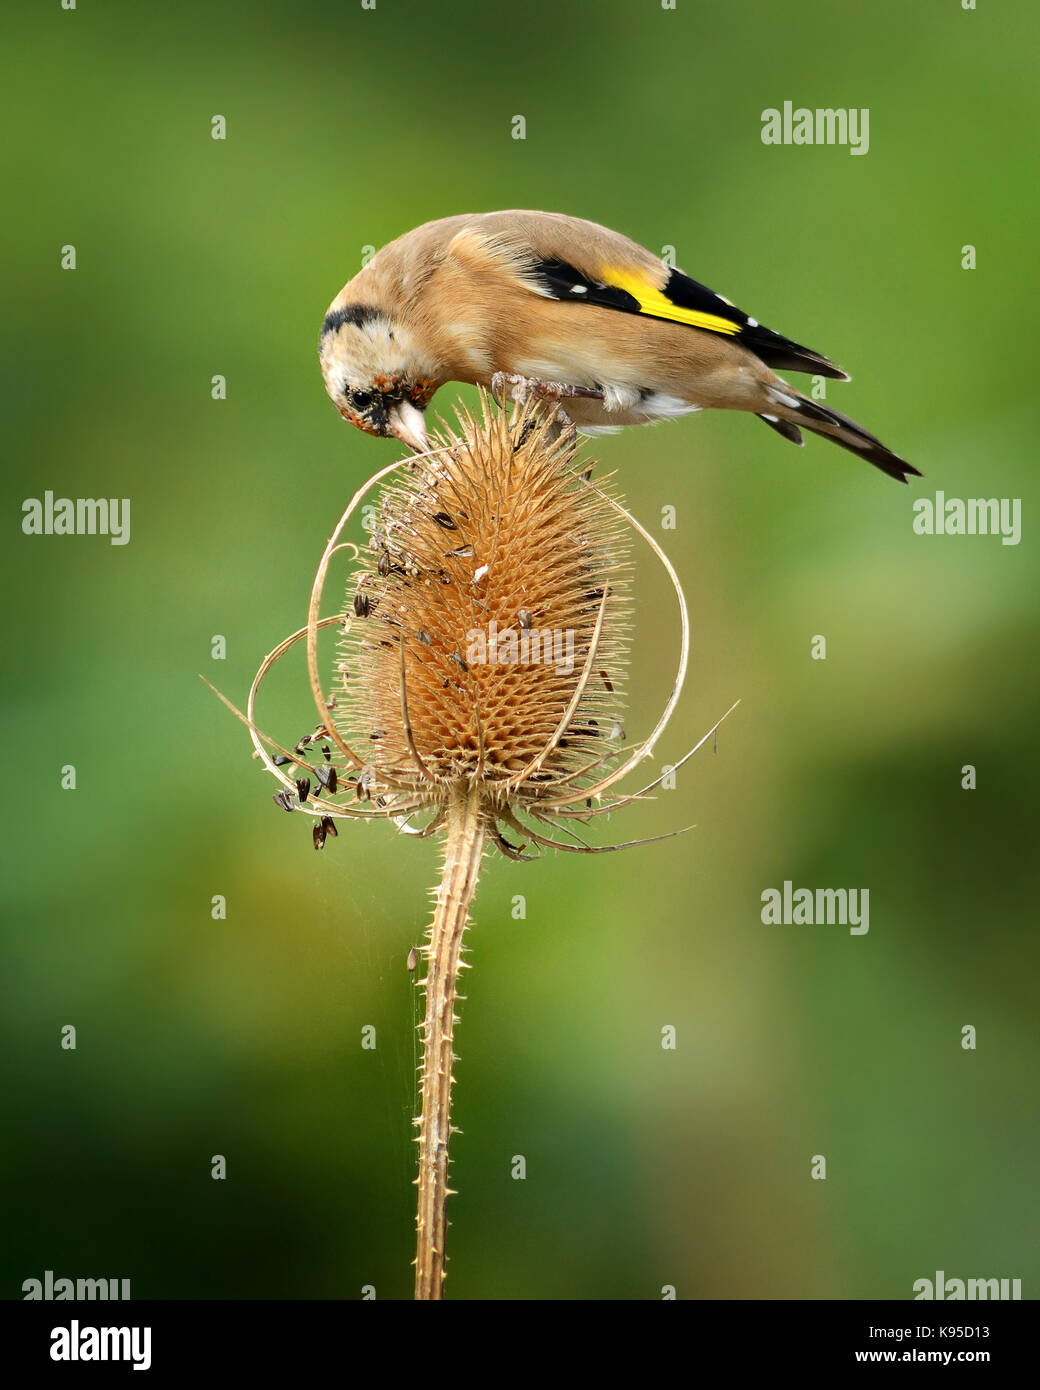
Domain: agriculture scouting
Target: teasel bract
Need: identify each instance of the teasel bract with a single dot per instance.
(477, 694)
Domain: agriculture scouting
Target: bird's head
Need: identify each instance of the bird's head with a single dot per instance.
(376, 376)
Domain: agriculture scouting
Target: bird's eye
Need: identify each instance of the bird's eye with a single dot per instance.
(361, 399)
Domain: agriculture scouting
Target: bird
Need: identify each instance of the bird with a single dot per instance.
(524, 302)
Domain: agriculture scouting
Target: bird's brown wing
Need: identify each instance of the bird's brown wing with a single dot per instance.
(580, 262)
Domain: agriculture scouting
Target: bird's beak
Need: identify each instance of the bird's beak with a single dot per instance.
(408, 423)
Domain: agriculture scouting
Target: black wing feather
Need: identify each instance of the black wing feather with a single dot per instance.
(563, 281)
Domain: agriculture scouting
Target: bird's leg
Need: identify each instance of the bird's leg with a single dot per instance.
(505, 384)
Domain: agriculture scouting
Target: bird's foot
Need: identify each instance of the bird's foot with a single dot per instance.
(524, 386)
(507, 386)
(512, 386)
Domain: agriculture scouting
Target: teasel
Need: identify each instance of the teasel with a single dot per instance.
(450, 714)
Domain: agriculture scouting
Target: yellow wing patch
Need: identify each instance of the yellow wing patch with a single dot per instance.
(657, 305)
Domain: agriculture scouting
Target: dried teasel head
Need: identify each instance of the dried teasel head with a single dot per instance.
(483, 644)
(492, 573)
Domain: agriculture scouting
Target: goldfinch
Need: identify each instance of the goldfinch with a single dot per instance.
(571, 310)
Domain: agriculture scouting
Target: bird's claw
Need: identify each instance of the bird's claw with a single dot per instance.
(524, 386)
(512, 385)
(502, 381)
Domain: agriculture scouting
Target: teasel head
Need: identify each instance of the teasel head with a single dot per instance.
(477, 691)
(483, 643)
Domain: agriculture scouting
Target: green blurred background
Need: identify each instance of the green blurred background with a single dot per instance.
(242, 1037)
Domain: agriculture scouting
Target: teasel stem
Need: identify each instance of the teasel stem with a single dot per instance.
(465, 832)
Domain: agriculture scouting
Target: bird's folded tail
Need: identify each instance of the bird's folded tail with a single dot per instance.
(790, 410)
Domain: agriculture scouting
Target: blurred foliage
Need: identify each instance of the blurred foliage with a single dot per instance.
(242, 1037)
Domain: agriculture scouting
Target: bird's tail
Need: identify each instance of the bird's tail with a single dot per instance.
(790, 409)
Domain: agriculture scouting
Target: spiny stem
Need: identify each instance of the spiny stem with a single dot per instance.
(463, 849)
